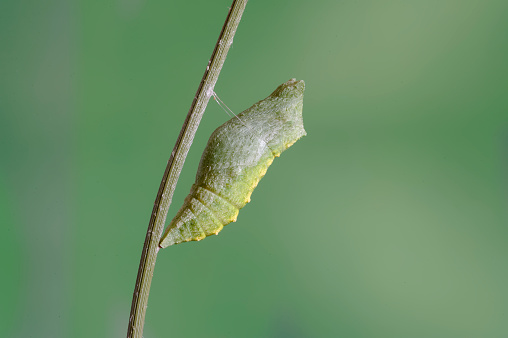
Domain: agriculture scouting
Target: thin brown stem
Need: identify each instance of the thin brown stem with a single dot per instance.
(174, 167)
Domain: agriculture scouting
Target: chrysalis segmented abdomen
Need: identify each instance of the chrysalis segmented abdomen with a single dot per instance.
(236, 157)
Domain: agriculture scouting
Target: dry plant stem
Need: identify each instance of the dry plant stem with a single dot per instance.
(174, 167)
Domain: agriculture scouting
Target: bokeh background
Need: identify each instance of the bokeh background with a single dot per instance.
(388, 220)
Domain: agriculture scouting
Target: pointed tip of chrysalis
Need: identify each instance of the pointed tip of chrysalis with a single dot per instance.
(291, 89)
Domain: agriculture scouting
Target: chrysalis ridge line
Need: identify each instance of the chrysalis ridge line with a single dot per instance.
(216, 194)
(185, 231)
(203, 233)
(198, 219)
(209, 210)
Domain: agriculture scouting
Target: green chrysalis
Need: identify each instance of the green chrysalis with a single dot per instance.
(236, 157)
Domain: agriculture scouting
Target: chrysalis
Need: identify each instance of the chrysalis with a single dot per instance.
(236, 157)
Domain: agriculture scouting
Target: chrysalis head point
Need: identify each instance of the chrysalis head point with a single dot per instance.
(291, 89)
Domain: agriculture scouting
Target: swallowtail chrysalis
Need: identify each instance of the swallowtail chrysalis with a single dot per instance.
(236, 157)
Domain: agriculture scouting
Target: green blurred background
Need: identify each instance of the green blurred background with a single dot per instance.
(388, 220)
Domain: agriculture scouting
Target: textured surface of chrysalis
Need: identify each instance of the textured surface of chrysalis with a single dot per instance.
(235, 159)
